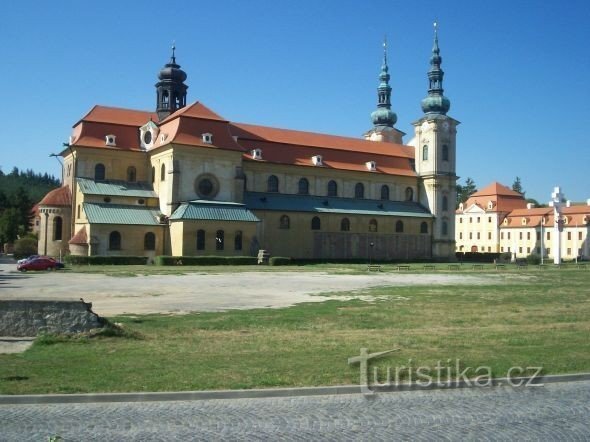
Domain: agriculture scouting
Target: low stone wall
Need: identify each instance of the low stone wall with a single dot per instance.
(31, 317)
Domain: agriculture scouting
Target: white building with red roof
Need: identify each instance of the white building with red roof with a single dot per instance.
(185, 181)
(496, 219)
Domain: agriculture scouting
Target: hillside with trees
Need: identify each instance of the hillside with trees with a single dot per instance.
(19, 192)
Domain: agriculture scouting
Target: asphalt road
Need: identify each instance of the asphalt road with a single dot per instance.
(559, 411)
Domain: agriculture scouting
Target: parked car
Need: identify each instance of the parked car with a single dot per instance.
(20, 261)
(40, 263)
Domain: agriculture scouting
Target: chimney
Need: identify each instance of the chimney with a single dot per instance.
(530, 206)
(568, 203)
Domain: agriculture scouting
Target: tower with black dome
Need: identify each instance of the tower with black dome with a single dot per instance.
(435, 158)
(171, 90)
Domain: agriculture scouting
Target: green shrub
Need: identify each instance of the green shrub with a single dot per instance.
(279, 261)
(106, 260)
(204, 260)
(533, 259)
(25, 247)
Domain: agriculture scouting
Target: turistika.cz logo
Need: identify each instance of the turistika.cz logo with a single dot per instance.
(450, 373)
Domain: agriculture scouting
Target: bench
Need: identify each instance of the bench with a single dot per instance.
(373, 268)
(500, 266)
(429, 267)
(454, 267)
(542, 266)
(521, 266)
(581, 266)
(403, 267)
(477, 266)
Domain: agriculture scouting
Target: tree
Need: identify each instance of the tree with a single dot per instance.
(9, 225)
(465, 191)
(23, 205)
(517, 186)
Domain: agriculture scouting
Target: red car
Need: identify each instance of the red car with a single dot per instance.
(40, 263)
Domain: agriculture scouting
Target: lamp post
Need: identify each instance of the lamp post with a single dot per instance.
(56, 156)
(371, 245)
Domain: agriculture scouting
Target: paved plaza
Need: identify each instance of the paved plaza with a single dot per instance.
(559, 411)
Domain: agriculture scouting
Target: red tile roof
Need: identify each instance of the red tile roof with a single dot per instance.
(576, 215)
(503, 198)
(250, 133)
(117, 115)
(81, 237)
(58, 197)
(283, 146)
(195, 110)
(496, 189)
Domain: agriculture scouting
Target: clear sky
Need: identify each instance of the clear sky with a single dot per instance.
(517, 73)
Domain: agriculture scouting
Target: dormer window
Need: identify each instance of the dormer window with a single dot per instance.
(207, 138)
(371, 165)
(523, 221)
(256, 154)
(461, 207)
(110, 140)
(317, 160)
(490, 205)
(148, 135)
(163, 138)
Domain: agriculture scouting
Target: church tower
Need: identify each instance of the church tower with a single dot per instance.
(171, 90)
(383, 117)
(435, 158)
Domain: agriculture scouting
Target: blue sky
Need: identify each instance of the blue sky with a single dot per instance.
(517, 73)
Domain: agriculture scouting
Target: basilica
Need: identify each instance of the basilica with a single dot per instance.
(182, 180)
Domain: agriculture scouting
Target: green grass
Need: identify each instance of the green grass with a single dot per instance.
(538, 318)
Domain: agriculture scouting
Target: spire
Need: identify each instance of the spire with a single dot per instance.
(173, 58)
(435, 102)
(383, 115)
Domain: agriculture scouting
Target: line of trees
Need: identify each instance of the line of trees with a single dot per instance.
(19, 191)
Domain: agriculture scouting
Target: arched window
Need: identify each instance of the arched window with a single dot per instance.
(165, 99)
(131, 174)
(445, 203)
(345, 225)
(303, 186)
(359, 190)
(332, 188)
(424, 227)
(115, 241)
(409, 194)
(445, 153)
(425, 153)
(57, 228)
(272, 184)
(284, 222)
(238, 240)
(219, 240)
(399, 227)
(163, 173)
(385, 192)
(316, 224)
(200, 239)
(445, 228)
(153, 174)
(99, 172)
(149, 241)
(373, 225)
(78, 214)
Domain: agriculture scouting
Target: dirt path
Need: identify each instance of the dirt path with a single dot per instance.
(204, 292)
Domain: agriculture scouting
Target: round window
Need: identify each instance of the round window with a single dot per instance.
(147, 137)
(206, 186)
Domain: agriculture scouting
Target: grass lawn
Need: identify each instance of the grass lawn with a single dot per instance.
(530, 318)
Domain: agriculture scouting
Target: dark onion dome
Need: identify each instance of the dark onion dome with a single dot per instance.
(171, 71)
